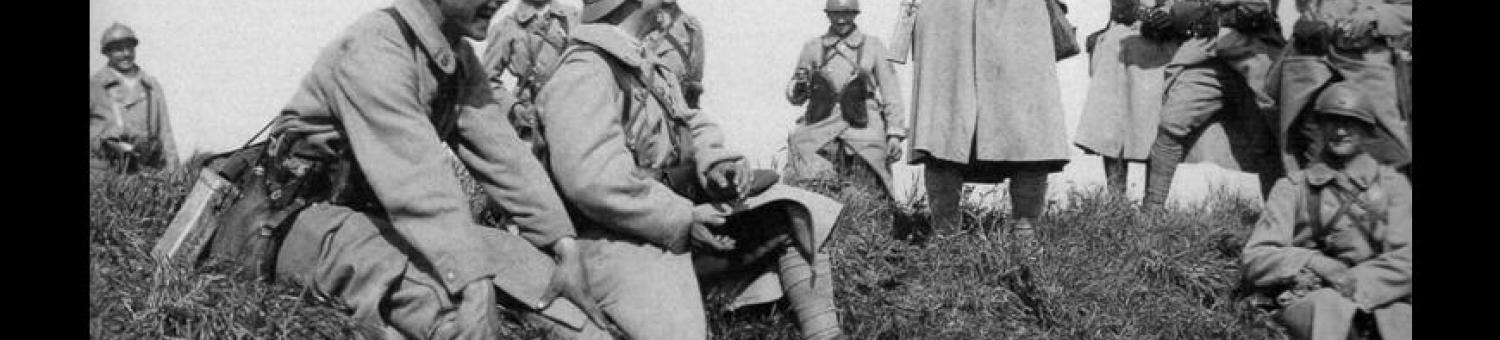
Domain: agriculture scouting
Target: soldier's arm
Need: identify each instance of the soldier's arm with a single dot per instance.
(99, 115)
(368, 83)
(1269, 258)
(890, 90)
(1387, 277)
(591, 164)
(795, 89)
(708, 144)
(700, 50)
(506, 170)
(163, 123)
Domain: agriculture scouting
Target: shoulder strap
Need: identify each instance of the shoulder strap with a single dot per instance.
(447, 86)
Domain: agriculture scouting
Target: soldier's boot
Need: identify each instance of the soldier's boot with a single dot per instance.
(809, 288)
(1116, 175)
(1166, 153)
(944, 184)
(1028, 197)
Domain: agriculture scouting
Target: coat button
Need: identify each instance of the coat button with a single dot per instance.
(445, 59)
(452, 277)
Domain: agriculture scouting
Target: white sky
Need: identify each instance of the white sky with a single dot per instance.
(228, 66)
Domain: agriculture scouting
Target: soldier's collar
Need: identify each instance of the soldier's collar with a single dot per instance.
(854, 40)
(423, 17)
(614, 41)
(108, 78)
(1361, 170)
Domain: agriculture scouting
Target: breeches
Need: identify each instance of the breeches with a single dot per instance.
(648, 292)
(346, 256)
(1325, 315)
(1197, 93)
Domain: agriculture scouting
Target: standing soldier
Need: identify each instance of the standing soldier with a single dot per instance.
(1215, 108)
(128, 124)
(646, 176)
(379, 222)
(1124, 100)
(853, 126)
(527, 44)
(986, 104)
(1366, 42)
(1333, 245)
(679, 46)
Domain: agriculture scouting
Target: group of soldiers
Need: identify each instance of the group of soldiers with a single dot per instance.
(1324, 120)
(583, 127)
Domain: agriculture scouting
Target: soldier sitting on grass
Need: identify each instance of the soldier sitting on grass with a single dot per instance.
(1334, 240)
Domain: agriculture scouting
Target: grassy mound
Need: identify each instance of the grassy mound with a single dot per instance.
(1108, 272)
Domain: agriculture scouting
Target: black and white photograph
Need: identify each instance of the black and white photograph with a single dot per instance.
(772, 169)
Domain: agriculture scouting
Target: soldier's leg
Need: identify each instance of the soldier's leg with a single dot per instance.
(944, 184)
(809, 288)
(340, 254)
(1028, 197)
(648, 292)
(1194, 94)
(1320, 315)
(1116, 175)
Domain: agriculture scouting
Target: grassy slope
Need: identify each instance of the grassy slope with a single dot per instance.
(1109, 272)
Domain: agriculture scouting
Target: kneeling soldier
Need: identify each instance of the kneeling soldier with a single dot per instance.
(1333, 243)
(376, 219)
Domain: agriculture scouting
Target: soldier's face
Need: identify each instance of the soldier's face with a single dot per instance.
(842, 21)
(469, 18)
(121, 56)
(1343, 135)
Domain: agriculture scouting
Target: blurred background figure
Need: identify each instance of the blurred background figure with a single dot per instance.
(129, 129)
(526, 45)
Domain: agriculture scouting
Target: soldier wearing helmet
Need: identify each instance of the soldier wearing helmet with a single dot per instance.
(649, 176)
(129, 128)
(853, 124)
(1332, 252)
(679, 46)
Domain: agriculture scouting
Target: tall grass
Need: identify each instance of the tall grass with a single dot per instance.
(1108, 272)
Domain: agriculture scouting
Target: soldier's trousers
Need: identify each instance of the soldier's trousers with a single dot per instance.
(944, 182)
(1194, 96)
(650, 293)
(341, 256)
(1325, 315)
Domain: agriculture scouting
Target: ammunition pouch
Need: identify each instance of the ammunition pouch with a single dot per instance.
(1124, 12)
(851, 100)
(1246, 20)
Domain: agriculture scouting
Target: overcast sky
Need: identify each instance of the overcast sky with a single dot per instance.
(228, 66)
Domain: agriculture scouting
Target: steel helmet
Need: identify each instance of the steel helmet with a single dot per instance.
(1343, 99)
(841, 6)
(117, 33)
(593, 10)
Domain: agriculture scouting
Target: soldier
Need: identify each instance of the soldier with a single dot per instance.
(526, 45)
(680, 47)
(1124, 100)
(1364, 41)
(1333, 244)
(390, 234)
(986, 104)
(647, 178)
(853, 126)
(743, 273)
(1214, 109)
(129, 128)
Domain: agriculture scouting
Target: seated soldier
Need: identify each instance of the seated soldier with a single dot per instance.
(1333, 244)
(647, 177)
(375, 218)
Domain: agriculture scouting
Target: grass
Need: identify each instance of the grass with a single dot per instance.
(1108, 272)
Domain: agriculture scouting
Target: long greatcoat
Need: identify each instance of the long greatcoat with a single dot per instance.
(985, 84)
(1125, 91)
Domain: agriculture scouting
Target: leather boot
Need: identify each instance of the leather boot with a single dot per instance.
(1166, 153)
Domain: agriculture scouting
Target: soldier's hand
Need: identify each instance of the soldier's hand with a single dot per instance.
(702, 235)
(570, 282)
(119, 146)
(732, 175)
(893, 149)
(710, 214)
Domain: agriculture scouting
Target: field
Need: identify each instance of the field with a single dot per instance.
(1108, 272)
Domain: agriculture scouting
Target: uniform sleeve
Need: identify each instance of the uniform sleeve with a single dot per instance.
(1269, 258)
(890, 90)
(589, 160)
(708, 144)
(1393, 20)
(506, 170)
(805, 61)
(700, 50)
(163, 122)
(1387, 277)
(99, 115)
(370, 87)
